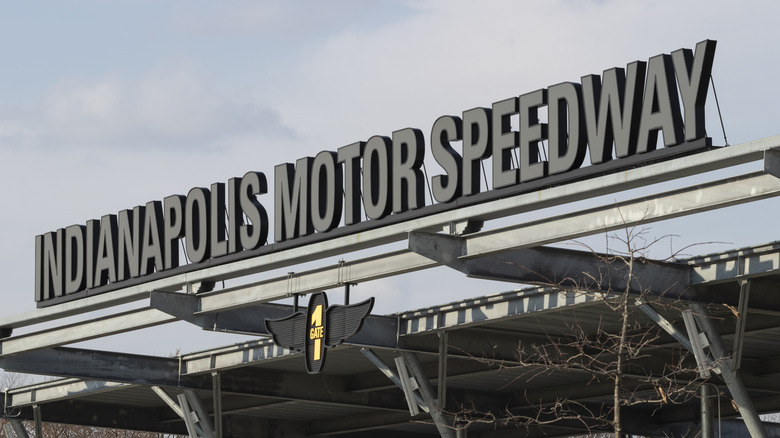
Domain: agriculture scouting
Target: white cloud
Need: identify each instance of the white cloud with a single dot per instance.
(454, 55)
(166, 108)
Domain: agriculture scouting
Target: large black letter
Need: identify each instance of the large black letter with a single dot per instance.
(567, 146)
(254, 234)
(196, 224)
(326, 192)
(408, 181)
(476, 147)
(504, 140)
(218, 245)
(446, 128)
(75, 255)
(291, 200)
(152, 243)
(377, 177)
(174, 229)
(618, 100)
(693, 78)
(532, 133)
(661, 107)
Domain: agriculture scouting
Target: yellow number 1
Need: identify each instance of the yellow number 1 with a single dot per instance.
(316, 320)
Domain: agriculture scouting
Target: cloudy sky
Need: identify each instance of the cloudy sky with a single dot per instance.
(108, 104)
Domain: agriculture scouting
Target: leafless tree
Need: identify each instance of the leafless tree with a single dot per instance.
(618, 351)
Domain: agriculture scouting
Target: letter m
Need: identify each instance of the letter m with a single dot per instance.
(291, 200)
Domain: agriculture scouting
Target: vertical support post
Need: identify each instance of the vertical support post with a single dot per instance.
(442, 370)
(200, 410)
(707, 430)
(188, 421)
(346, 294)
(415, 367)
(732, 378)
(216, 380)
(739, 334)
(38, 421)
(408, 384)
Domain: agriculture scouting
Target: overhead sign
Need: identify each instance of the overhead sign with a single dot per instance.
(317, 328)
(618, 117)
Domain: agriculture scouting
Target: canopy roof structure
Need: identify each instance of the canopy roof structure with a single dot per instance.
(456, 369)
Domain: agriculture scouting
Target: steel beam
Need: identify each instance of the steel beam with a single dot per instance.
(98, 365)
(57, 390)
(665, 324)
(559, 267)
(83, 331)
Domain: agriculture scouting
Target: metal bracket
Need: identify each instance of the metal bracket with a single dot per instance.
(464, 227)
(772, 162)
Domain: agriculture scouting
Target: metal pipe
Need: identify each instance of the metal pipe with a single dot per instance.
(707, 429)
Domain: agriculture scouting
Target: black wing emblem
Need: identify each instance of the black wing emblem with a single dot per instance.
(345, 321)
(289, 332)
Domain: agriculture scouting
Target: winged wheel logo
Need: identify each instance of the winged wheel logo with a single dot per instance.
(320, 327)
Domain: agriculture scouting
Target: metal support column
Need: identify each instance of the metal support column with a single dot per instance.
(37, 421)
(739, 333)
(413, 362)
(707, 429)
(216, 379)
(442, 370)
(732, 378)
